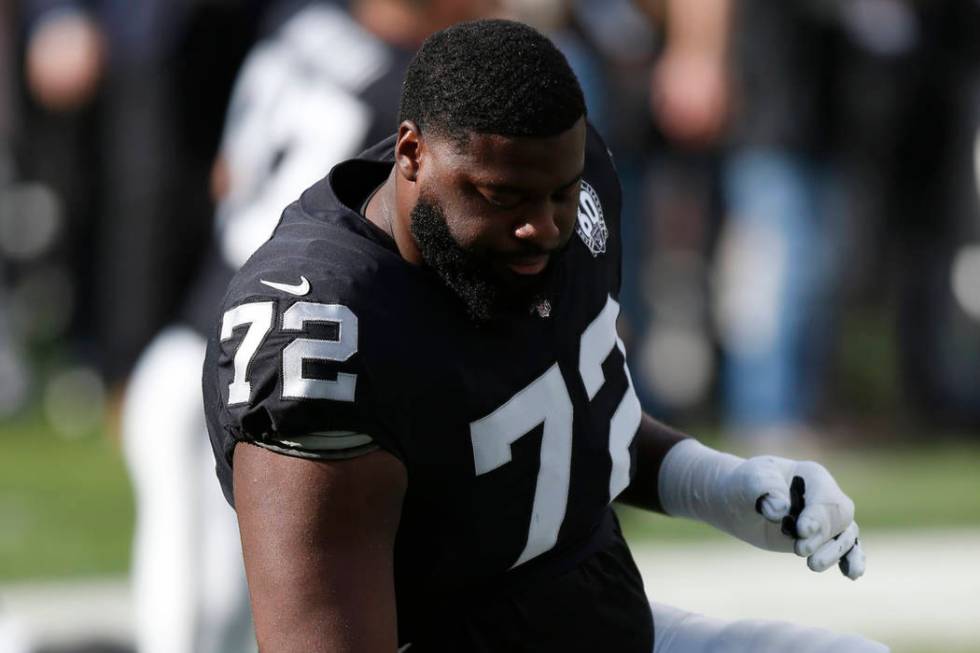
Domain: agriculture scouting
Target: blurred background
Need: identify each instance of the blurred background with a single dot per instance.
(801, 276)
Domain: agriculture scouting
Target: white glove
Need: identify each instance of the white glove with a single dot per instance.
(772, 503)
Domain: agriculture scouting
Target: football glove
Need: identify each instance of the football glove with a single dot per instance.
(772, 503)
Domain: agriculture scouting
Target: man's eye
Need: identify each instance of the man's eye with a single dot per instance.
(501, 201)
(568, 195)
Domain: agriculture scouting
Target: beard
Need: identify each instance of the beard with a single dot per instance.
(485, 293)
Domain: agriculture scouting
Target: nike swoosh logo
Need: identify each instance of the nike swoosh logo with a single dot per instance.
(299, 289)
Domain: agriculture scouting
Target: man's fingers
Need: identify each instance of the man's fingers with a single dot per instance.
(827, 511)
(802, 507)
(765, 486)
(773, 506)
(853, 563)
(831, 552)
(816, 526)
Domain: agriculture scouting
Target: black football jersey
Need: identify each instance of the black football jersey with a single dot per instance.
(516, 433)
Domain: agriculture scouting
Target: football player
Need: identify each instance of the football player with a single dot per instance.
(319, 89)
(420, 408)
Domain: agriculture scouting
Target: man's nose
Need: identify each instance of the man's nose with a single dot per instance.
(541, 227)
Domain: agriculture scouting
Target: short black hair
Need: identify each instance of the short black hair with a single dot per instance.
(491, 77)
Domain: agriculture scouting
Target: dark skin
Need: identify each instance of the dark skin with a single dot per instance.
(318, 536)
(513, 199)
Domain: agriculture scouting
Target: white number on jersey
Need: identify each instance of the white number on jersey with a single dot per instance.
(297, 386)
(546, 400)
(258, 316)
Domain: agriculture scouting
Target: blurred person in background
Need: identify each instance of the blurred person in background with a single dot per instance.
(775, 266)
(849, 174)
(688, 103)
(914, 96)
(122, 114)
(321, 87)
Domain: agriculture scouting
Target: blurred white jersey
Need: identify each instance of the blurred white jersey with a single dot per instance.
(296, 110)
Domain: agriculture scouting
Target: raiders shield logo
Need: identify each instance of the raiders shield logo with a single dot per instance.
(591, 228)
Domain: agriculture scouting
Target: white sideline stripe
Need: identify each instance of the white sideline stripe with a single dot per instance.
(59, 614)
(921, 591)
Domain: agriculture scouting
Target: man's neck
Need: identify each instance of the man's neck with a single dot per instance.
(384, 210)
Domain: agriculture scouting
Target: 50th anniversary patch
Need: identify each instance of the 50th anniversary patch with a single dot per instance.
(591, 227)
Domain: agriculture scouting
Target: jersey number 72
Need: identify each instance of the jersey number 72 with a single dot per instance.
(546, 400)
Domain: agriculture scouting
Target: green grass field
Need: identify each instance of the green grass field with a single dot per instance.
(65, 505)
(66, 509)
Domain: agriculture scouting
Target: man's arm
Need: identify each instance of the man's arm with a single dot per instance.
(653, 440)
(772, 503)
(318, 538)
(690, 95)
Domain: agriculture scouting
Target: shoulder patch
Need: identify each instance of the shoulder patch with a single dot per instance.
(591, 226)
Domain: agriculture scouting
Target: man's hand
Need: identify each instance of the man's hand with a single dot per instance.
(65, 60)
(772, 503)
(802, 509)
(689, 98)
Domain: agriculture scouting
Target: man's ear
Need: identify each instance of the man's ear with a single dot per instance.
(408, 150)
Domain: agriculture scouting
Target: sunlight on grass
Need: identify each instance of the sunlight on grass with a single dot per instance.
(65, 505)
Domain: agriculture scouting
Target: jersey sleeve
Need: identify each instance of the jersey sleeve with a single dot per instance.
(291, 375)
